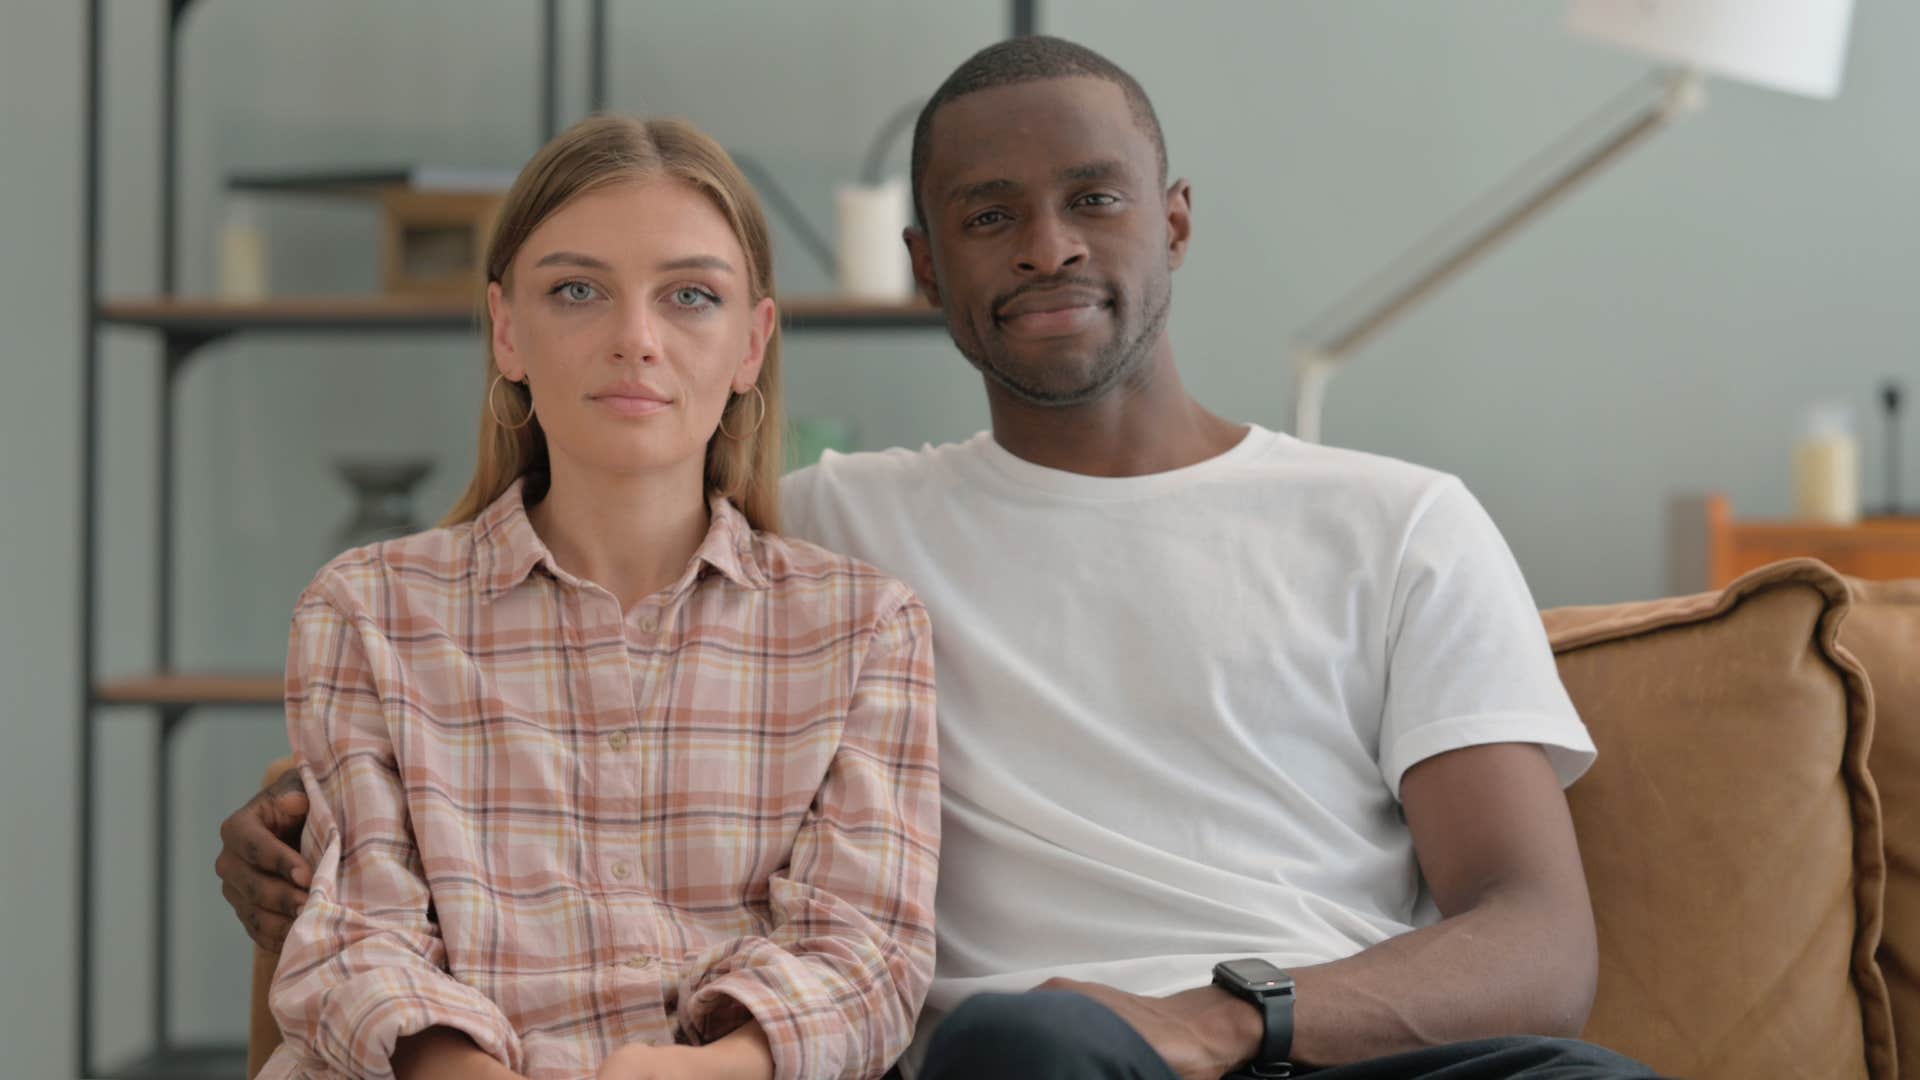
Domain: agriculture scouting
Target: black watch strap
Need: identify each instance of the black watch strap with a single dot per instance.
(1276, 1046)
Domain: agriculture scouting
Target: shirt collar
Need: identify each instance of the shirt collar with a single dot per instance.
(507, 549)
(729, 546)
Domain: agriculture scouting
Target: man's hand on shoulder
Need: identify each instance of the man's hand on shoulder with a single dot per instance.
(1202, 1034)
(442, 1053)
(638, 1061)
(741, 1055)
(261, 872)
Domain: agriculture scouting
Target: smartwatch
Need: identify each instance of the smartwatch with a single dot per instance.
(1269, 989)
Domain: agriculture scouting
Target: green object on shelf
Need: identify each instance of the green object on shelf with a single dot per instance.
(809, 437)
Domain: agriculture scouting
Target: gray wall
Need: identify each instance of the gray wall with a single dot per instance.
(40, 311)
(1658, 333)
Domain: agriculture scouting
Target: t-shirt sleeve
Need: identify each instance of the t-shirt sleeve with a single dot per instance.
(1467, 656)
(799, 499)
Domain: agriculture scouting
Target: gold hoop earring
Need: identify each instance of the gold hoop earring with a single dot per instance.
(761, 419)
(493, 405)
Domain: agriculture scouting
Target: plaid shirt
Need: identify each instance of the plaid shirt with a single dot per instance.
(561, 828)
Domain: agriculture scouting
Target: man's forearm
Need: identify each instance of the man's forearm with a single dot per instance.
(442, 1053)
(1507, 967)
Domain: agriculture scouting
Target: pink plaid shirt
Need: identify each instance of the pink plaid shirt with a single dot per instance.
(561, 828)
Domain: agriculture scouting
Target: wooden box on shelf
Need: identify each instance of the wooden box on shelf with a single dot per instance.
(432, 242)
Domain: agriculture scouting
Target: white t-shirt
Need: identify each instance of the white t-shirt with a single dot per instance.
(1175, 709)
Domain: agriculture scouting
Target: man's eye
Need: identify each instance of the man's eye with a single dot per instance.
(1096, 199)
(986, 217)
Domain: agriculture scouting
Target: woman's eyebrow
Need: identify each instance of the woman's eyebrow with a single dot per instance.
(698, 262)
(574, 258)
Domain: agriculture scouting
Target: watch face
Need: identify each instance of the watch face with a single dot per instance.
(1256, 974)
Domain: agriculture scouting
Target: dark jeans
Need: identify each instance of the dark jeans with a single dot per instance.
(1060, 1035)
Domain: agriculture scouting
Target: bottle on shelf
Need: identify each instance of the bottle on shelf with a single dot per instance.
(242, 272)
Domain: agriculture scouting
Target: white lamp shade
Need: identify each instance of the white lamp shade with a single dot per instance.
(1799, 46)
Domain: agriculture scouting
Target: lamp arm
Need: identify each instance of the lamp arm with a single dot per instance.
(786, 209)
(1318, 356)
(876, 159)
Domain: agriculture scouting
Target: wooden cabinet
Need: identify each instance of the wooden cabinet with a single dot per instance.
(1876, 548)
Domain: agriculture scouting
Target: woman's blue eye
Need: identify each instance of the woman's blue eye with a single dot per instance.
(690, 297)
(575, 292)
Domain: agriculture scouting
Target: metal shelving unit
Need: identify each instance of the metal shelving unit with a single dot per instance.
(185, 326)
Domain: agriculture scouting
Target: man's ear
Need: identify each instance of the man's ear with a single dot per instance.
(765, 318)
(505, 357)
(920, 251)
(1179, 222)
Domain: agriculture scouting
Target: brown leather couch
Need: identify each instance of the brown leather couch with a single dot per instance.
(1757, 896)
(1751, 830)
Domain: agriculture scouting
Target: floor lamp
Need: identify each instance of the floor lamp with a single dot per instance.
(1798, 46)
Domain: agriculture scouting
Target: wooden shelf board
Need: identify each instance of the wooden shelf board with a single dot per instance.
(370, 181)
(288, 313)
(193, 1062)
(197, 689)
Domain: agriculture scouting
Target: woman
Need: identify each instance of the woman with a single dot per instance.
(606, 777)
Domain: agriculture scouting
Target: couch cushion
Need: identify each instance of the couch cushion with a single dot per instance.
(1884, 633)
(1730, 830)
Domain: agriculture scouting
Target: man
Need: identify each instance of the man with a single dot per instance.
(1208, 695)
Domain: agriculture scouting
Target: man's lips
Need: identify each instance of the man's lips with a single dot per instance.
(1042, 302)
(1052, 312)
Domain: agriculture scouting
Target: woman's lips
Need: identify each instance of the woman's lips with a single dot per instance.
(632, 404)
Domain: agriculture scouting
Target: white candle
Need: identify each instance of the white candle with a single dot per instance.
(873, 257)
(1826, 468)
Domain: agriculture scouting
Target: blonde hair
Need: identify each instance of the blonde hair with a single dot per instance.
(592, 154)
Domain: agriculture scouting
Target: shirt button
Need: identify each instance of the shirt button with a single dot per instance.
(640, 962)
(622, 871)
(650, 624)
(617, 740)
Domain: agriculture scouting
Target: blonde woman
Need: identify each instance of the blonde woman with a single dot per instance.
(606, 777)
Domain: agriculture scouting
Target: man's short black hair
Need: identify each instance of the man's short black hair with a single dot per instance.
(1029, 59)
